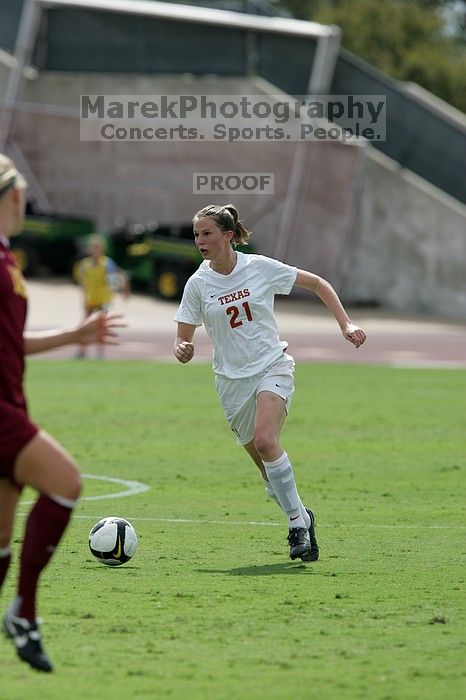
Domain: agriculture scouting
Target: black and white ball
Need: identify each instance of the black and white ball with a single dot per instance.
(113, 541)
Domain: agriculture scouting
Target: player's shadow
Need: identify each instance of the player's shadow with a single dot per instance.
(285, 568)
(91, 567)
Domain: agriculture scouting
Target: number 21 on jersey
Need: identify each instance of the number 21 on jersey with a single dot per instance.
(233, 311)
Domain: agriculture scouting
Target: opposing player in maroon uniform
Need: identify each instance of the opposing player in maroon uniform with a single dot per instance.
(28, 455)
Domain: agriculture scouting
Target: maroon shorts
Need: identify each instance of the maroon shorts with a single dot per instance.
(16, 430)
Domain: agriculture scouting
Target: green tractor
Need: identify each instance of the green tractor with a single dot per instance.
(157, 258)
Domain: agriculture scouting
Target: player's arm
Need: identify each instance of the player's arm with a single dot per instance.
(325, 291)
(98, 328)
(119, 277)
(184, 348)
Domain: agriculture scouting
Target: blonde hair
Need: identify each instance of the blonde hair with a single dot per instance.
(226, 218)
(96, 239)
(9, 176)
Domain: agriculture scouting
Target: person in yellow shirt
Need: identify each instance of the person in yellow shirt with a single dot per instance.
(99, 278)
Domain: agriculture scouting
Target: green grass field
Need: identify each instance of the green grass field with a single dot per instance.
(211, 607)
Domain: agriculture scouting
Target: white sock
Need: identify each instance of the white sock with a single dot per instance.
(15, 606)
(271, 493)
(281, 478)
(4, 552)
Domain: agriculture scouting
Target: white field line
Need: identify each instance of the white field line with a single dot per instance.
(132, 488)
(247, 523)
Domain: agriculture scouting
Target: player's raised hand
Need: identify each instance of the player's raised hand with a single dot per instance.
(100, 327)
(354, 334)
(184, 351)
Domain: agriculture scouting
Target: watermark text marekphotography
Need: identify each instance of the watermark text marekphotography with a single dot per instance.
(230, 118)
(233, 183)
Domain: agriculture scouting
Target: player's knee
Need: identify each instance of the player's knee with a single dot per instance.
(75, 486)
(265, 442)
(71, 488)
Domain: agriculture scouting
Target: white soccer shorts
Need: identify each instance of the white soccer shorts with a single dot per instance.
(238, 396)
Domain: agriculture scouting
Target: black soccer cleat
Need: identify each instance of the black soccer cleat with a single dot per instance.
(314, 553)
(25, 636)
(300, 545)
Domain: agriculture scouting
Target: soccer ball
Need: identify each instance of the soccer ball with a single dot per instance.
(113, 541)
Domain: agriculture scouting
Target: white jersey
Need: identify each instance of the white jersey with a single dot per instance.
(237, 312)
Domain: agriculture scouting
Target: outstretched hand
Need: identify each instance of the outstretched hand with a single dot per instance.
(354, 334)
(100, 328)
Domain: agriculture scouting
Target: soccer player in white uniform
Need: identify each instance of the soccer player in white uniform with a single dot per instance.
(232, 294)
